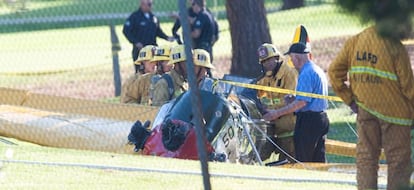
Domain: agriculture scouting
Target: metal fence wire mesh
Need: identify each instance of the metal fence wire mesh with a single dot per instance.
(63, 48)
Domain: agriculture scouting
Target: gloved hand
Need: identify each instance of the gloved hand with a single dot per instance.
(289, 98)
(139, 134)
(354, 107)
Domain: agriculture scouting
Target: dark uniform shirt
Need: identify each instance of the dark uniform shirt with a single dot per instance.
(139, 28)
(177, 25)
(204, 22)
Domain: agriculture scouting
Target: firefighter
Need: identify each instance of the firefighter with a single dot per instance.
(280, 75)
(175, 83)
(161, 59)
(137, 90)
(381, 92)
(204, 28)
(202, 64)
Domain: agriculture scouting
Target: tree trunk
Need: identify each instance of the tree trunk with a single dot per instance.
(249, 29)
(291, 4)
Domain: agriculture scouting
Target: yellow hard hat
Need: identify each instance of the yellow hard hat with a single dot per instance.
(202, 58)
(266, 51)
(177, 54)
(162, 54)
(145, 54)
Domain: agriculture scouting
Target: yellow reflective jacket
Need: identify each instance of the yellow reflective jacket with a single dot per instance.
(160, 94)
(285, 78)
(380, 77)
(126, 85)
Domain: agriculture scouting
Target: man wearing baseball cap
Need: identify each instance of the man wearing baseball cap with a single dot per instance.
(312, 123)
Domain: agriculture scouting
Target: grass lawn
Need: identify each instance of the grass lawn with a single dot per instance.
(146, 172)
(38, 58)
(62, 49)
(28, 57)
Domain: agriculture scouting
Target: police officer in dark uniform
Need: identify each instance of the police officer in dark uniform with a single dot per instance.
(202, 28)
(142, 27)
(192, 15)
(177, 24)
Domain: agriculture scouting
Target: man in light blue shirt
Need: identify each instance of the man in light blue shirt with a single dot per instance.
(312, 123)
(312, 80)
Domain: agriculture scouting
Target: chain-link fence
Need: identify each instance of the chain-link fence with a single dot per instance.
(63, 48)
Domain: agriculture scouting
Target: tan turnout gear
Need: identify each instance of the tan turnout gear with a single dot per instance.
(160, 90)
(371, 68)
(285, 78)
(126, 85)
(280, 76)
(145, 54)
(139, 90)
(161, 95)
(381, 83)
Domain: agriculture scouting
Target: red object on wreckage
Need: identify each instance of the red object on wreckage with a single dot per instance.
(187, 150)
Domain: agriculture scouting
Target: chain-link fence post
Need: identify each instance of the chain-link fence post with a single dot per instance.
(115, 60)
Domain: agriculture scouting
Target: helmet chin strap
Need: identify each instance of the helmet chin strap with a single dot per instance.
(160, 68)
(181, 71)
(141, 68)
(276, 69)
(199, 72)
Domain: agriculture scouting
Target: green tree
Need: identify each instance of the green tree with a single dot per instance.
(392, 17)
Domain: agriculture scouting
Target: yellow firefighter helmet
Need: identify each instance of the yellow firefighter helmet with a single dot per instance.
(177, 54)
(162, 53)
(145, 54)
(202, 58)
(266, 51)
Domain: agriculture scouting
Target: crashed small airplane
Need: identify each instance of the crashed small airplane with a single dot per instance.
(233, 126)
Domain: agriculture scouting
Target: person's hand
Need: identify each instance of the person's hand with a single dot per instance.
(139, 45)
(272, 115)
(354, 107)
(170, 39)
(191, 20)
(174, 15)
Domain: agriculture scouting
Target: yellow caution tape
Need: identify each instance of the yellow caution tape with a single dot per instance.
(408, 42)
(281, 90)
